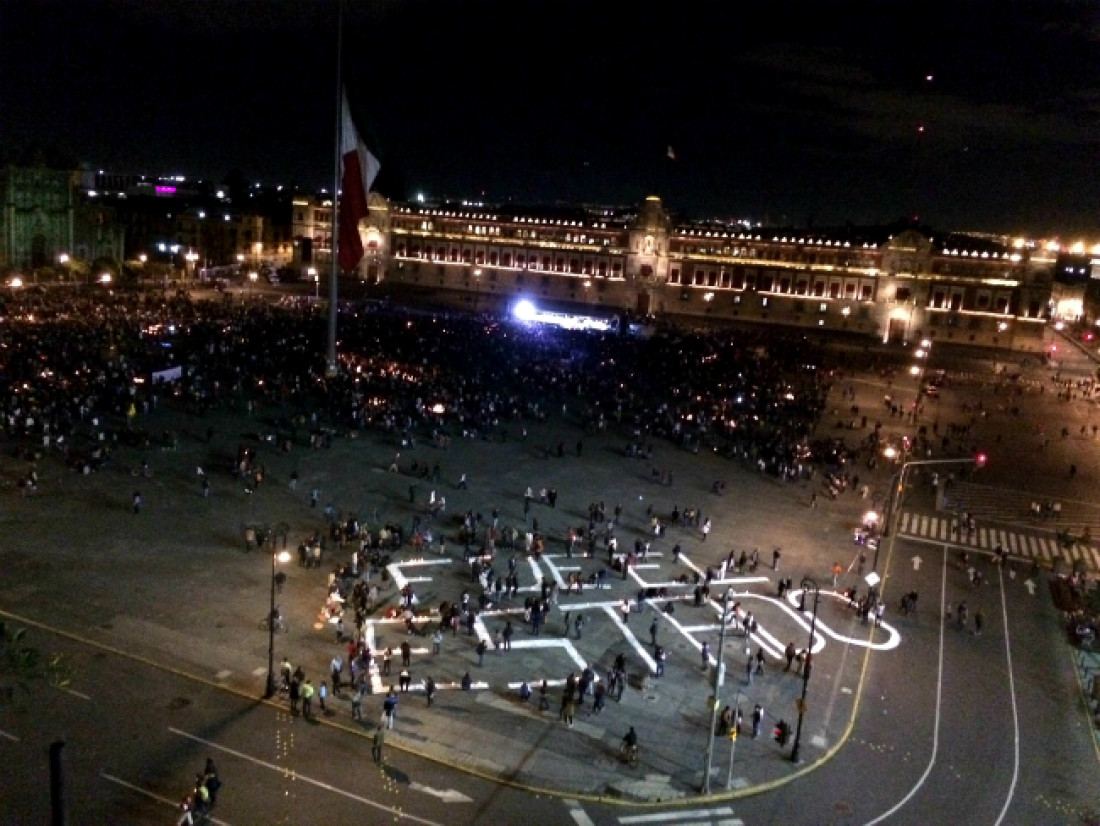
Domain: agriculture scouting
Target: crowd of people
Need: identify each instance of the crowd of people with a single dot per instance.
(81, 377)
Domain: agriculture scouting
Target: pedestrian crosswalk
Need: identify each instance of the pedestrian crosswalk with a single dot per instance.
(717, 816)
(1019, 544)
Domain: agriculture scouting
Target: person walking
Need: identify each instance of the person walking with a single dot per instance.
(437, 641)
(482, 647)
(406, 654)
(506, 635)
(704, 653)
(659, 659)
(979, 621)
(789, 653)
(653, 633)
(404, 679)
(322, 695)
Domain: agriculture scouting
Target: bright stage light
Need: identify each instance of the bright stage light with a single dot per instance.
(524, 310)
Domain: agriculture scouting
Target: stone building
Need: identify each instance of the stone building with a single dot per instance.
(891, 283)
(44, 217)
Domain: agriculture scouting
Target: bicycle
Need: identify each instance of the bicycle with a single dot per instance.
(629, 753)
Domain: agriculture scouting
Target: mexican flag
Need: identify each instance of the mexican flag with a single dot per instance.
(359, 167)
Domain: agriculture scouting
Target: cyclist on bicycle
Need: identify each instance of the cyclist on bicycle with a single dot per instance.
(630, 741)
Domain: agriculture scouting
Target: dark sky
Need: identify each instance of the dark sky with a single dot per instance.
(777, 111)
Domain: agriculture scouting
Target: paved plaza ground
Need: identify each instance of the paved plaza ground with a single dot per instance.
(175, 585)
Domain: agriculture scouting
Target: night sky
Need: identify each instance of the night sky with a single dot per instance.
(970, 115)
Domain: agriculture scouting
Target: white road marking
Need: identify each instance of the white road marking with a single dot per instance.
(939, 702)
(1015, 710)
(151, 795)
(630, 638)
(694, 814)
(579, 815)
(446, 795)
(397, 813)
(7, 736)
(75, 693)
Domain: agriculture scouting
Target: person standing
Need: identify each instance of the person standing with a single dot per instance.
(775, 559)
(295, 694)
(437, 641)
(704, 653)
(599, 691)
(705, 529)
(506, 635)
(757, 719)
(322, 695)
(429, 690)
(389, 709)
(357, 704)
(659, 658)
(481, 649)
(979, 621)
(378, 744)
(337, 668)
(307, 699)
(406, 654)
(789, 653)
(653, 633)
(404, 679)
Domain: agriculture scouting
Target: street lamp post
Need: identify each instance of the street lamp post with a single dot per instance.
(252, 276)
(477, 288)
(312, 272)
(269, 692)
(719, 678)
(893, 500)
(807, 585)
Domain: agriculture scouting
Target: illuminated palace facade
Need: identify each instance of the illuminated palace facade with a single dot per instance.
(900, 287)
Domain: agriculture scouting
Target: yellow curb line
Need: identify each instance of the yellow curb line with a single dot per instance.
(482, 775)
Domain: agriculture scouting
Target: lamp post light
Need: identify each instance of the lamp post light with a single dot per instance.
(807, 585)
(312, 272)
(280, 557)
(477, 287)
(719, 678)
(252, 276)
(192, 257)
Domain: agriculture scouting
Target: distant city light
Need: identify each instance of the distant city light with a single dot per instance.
(161, 189)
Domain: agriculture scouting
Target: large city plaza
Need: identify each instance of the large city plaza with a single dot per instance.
(618, 489)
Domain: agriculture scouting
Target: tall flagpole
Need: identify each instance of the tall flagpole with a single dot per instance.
(330, 354)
